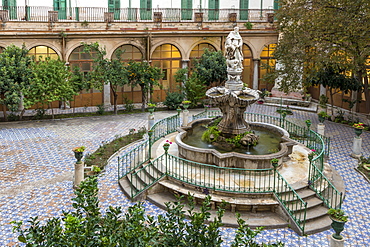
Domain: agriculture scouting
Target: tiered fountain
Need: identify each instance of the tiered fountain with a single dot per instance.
(233, 100)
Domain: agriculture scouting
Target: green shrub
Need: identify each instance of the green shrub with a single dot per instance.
(129, 105)
(173, 100)
(101, 109)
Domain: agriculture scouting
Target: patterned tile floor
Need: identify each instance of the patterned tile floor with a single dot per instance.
(37, 169)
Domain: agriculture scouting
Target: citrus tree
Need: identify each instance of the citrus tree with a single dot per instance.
(15, 74)
(143, 75)
(107, 71)
(50, 81)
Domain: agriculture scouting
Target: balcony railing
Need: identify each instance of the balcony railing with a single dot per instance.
(91, 14)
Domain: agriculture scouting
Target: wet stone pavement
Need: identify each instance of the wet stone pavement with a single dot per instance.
(37, 164)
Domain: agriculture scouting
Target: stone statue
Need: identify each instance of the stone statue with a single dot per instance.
(234, 47)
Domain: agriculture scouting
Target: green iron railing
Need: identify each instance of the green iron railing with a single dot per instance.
(290, 200)
(133, 159)
(219, 178)
(232, 179)
(164, 127)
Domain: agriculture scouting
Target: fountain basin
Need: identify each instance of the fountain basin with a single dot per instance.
(233, 159)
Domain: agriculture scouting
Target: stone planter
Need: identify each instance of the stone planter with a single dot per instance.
(338, 227)
(321, 119)
(151, 109)
(78, 156)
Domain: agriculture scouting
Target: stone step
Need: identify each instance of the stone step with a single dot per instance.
(269, 220)
(317, 225)
(236, 203)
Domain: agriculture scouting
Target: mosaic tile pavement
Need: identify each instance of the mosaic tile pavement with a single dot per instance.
(36, 173)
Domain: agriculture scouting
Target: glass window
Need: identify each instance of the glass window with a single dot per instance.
(168, 58)
(41, 52)
(130, 52)
(247, 75)
(198, 51)
(266, 58)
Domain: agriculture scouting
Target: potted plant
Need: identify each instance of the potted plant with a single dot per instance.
(338, 218)
(322, 116)
(274, 162)
(151, 107)
(358, 128)
(186, 104)
(308, 123)
(94, 171)
(79, 151)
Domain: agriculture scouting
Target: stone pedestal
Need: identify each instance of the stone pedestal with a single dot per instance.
(356, 148)
(336, 242)
(150, 120)
(185, 117)
(321, 129)
(79, 174)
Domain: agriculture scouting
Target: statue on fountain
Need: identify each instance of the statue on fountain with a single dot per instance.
(234, 98)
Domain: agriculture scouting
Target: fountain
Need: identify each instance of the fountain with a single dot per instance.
(233, 100)
(265, 191)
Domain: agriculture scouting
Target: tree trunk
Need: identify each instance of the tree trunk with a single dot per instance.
(115, 98)
(143, 98)
(367, 94)
(5, 115)
(331, 100)
(4, 109)
(22, 113)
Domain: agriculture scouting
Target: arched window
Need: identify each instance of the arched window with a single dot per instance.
(247, 76)
(85, 61)
(266, 59)
(130, 53)
(198, 51)
(41, 52)
(168, 58)
(82, 59)
(127, 92)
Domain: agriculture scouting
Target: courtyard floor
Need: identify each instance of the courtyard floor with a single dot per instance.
(37, 163)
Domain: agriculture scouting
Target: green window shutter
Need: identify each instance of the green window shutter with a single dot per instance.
(145, 9)
(276, 4)
(213, 6)
(11, 5)
(61, 7)
(244, 6)
(114, 6)
(186, 9)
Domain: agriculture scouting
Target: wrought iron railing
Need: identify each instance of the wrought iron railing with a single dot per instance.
(290, 200)
(232, 179)
(133, 159)
(97, 14)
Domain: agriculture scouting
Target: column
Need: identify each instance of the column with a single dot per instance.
(106, 94)
(256, 63)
